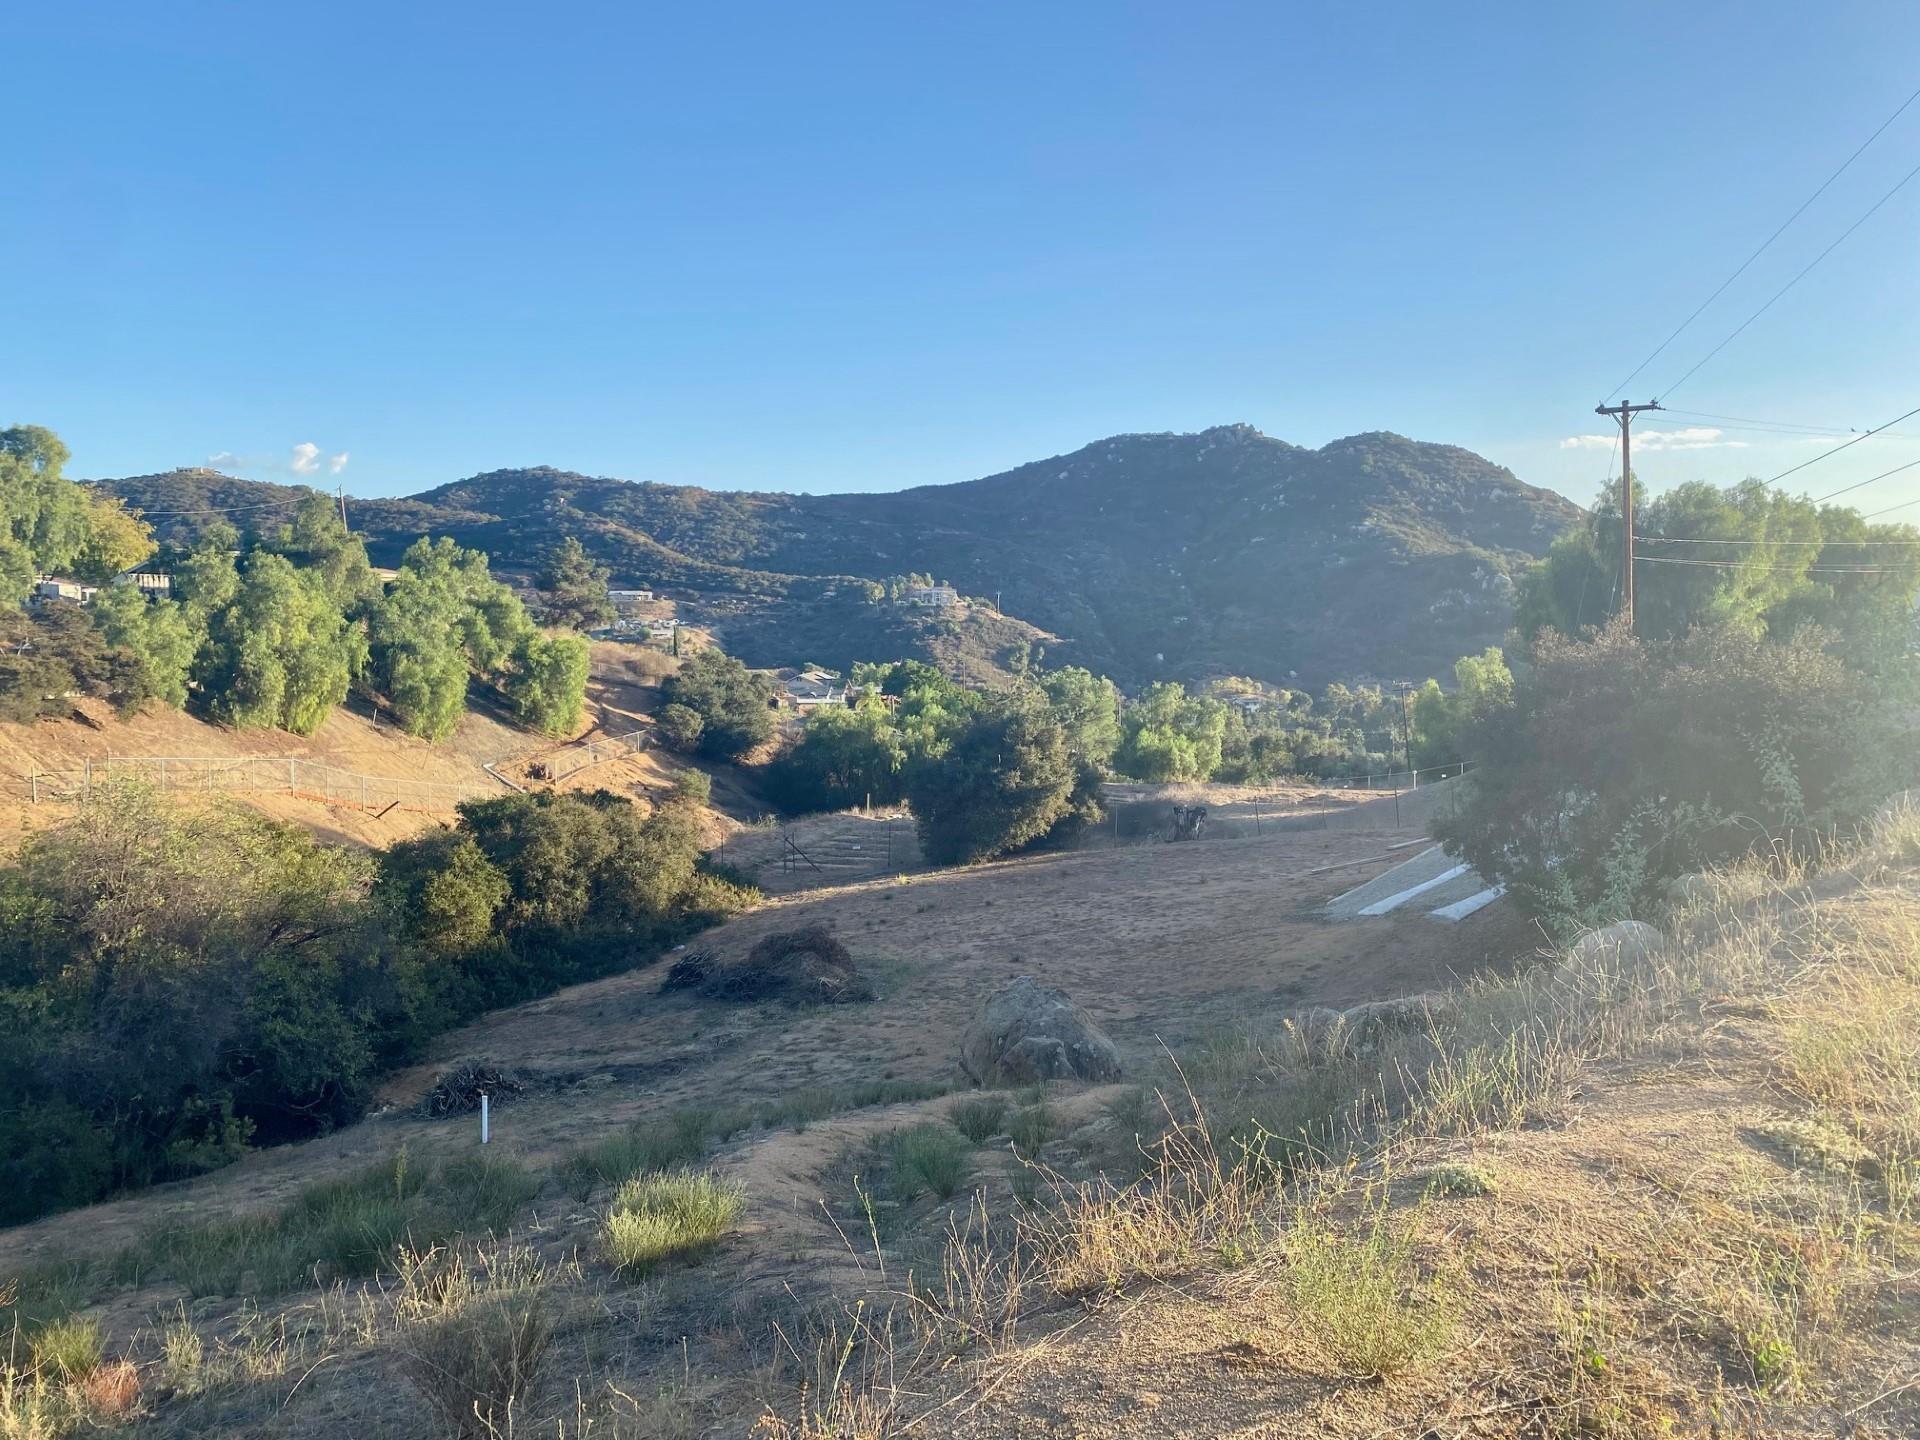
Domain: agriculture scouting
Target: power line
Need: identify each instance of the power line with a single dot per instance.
(1899, 185)
(1863, 435)
(227, 509)
(1752, 423)
(1822, 499)
(1742, 564)
(1762, 540)
(1845, 165)
(1903, 505)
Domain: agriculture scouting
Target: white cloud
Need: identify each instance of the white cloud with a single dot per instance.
(1690, 437)
(306, 458)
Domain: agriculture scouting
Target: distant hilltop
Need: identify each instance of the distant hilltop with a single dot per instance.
(1152, 555)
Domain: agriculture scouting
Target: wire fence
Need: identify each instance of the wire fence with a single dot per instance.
(247, 775)
(560, 763)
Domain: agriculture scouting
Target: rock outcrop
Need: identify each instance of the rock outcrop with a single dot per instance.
(1029, 1032)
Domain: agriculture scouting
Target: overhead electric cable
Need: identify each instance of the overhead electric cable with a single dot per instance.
(1903, 505)
(1863, 435)
(1872, 210)
(1764, 244)
(1742, 564)
(1762, 540)
(1858, 484)
(1681, 416)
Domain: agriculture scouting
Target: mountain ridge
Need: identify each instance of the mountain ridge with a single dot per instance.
(1154, 554)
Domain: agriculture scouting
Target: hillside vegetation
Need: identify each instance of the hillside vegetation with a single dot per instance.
(1152, 555)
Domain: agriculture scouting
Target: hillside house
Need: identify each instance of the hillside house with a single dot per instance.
(931, 597)
(47, 588)
(152, 584)
(811, 691)
(626, 599)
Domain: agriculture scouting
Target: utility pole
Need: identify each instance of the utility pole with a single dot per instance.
(1624, 413)
(340, 492)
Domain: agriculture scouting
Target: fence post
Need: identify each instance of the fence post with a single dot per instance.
(86, 784)
(33, 779)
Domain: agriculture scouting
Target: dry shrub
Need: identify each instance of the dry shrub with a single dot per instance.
(1365, 1296)
(475, 1365)
(112, 1390)
(1098, 1236)
(805, 966)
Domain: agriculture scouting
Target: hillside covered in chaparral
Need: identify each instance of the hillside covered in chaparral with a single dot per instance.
(1141, 556)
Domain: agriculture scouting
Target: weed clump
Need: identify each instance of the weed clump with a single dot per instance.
(656, 1218)
(1365, 1296)
(979, 1117)
(931, 1157)
(1031, 1128)
(1453, 1181)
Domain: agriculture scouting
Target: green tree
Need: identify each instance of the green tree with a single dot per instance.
(1482, 683)
(679, 728)
(173, 980)
(441, 893)
(117, 540)
(54, 653)
(206, 579)
(443, 618)
(1005, 782)
(1772, 562)
(281, 654)
(548, 682)
(317, 540)
(156, 633)
(43, 517)
(843, 757)
(574, 587)
(1088, 709)
(1171, 735)
(735, 705)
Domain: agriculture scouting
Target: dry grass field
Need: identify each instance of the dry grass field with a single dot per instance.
(1623, 1193)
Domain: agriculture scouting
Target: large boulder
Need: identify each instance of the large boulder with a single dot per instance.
(1029, 1032)
(1361, 1029)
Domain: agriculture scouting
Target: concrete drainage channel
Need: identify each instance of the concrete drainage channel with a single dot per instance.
(1431, 881)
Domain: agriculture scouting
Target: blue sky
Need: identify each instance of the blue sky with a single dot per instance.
(842, 246)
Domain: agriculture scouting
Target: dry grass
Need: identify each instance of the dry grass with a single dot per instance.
(656, 1218)
(475, 1335)
(1362, 1289)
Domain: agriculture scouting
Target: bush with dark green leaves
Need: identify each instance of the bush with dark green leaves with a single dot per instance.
(734, 704)
(1622, 764)
(1003, 784)
(177, 983)
(55, 653)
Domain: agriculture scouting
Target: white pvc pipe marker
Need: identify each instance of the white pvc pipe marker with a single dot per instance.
(483, 1117)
